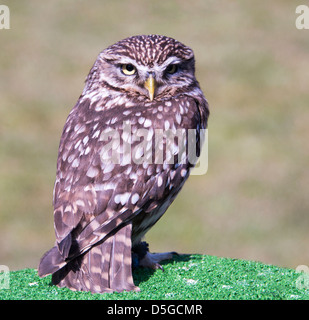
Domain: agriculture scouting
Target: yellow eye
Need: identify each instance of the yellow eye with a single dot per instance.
(172, 68)
(128, 69)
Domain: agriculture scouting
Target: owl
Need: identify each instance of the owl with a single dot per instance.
(124, 155)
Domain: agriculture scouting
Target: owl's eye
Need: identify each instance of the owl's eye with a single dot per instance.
(172, 68)
(128, 69)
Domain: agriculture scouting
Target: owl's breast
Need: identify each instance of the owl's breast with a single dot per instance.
(144, 220)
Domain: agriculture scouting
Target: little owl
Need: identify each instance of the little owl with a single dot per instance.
(124, 155)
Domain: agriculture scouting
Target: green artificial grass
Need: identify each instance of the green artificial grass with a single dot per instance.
(185, 277)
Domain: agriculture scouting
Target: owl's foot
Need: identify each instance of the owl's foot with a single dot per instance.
(152, 260)
(141, 257)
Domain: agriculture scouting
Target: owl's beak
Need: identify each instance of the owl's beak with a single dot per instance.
(150, 84)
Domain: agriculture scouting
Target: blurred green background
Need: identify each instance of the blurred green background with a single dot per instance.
(253, 65)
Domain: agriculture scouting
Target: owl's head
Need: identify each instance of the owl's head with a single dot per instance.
(147, 66)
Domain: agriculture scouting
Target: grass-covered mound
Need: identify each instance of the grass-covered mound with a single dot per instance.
(186, 277)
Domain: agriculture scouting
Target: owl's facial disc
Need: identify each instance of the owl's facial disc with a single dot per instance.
(149, 80)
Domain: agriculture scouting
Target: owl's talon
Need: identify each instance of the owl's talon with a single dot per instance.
(158, 266)
(151, 260)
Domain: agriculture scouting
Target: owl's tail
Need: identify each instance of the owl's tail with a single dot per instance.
(106, 267)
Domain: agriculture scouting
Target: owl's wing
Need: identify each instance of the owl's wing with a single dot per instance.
(92, 225)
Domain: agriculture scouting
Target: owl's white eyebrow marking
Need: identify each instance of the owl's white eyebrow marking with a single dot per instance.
(142, 68)
(170, 60)
(127, 60)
